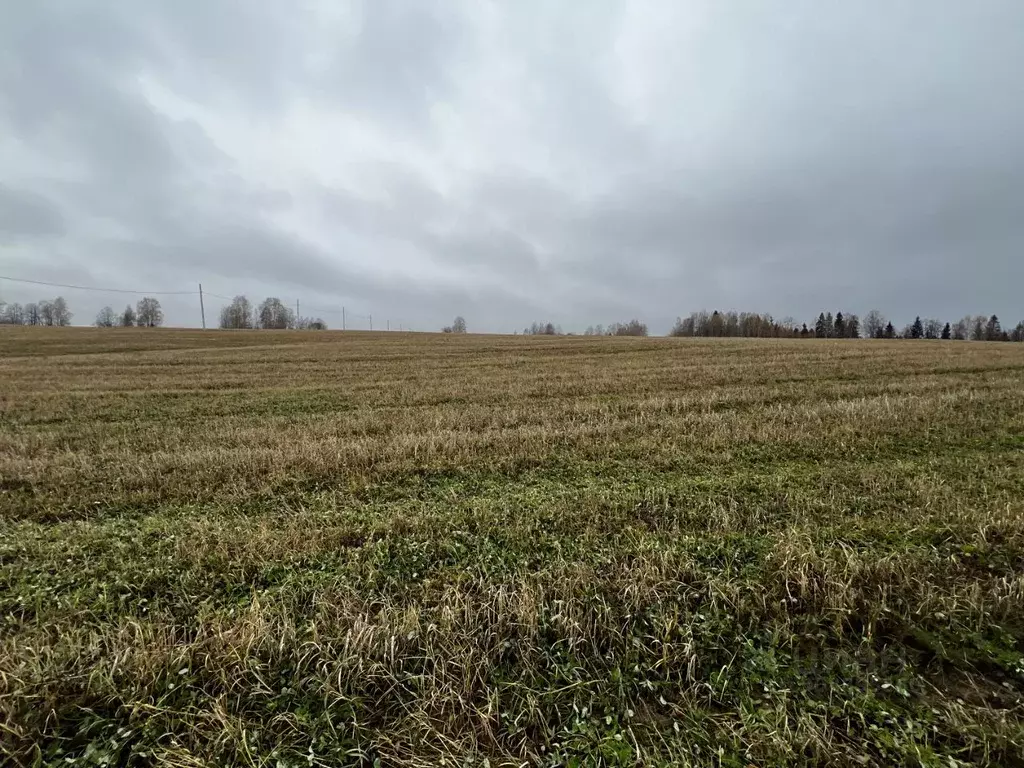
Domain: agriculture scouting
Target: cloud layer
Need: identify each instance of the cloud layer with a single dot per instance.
(518, 161)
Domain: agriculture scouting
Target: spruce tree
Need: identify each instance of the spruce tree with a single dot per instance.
(819, 327)
(917, 329)
(947, 332)
(993, 332)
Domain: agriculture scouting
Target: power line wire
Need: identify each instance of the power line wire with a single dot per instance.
(101, 290)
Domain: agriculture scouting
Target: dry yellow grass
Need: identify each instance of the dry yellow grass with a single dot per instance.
(284, 548)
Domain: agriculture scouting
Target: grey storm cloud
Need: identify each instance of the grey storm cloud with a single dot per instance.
(514, 162)
(24, 214)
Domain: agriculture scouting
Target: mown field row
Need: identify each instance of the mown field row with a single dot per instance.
(286, 548)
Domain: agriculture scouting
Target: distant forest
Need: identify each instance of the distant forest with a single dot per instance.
(849, 326)
(840, 326)
(271, 313)
(147, 313)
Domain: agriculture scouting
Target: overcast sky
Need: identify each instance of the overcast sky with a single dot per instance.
(579, 162)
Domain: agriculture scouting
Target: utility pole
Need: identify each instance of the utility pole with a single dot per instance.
(389, 323)
(202, 307)
(343, 318)
(297, 315)
(371, 322)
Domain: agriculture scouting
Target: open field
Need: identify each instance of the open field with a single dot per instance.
(292, 549)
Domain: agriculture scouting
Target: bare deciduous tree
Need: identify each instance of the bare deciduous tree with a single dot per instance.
(874, 324)
(978, 328)
(106, 318)
(683, 327)
(458, 326)
(61, 315)
(274, 315)
(932, 328)
(46, 313)
(543, 329)
(632, 328)
(149, 313)
(14, 314)
(238, 314)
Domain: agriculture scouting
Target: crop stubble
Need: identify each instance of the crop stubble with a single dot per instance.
(285, 548)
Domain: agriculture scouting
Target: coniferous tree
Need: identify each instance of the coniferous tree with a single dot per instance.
(890, 332)
(993, 331)
(839, 326)
(717, 324)
(820, 327)
(128, 317)
(947, 332)
(917, 329)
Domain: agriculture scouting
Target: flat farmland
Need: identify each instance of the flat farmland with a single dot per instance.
(323, 549)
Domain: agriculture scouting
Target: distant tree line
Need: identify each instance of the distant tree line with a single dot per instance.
(543, 329)
(630, 328)
(969, 328)
(842, 326)
(47, 312)
(146, 314)
(729, 324)
(271, 314)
